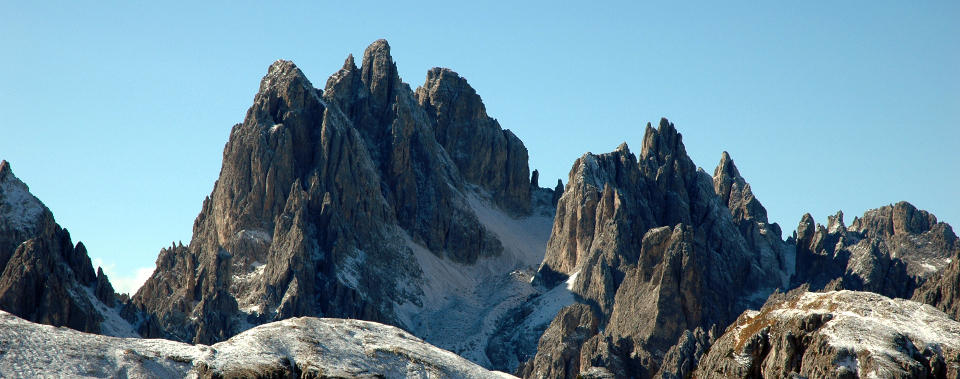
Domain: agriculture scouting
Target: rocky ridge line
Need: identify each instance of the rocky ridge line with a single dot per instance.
(303, 348)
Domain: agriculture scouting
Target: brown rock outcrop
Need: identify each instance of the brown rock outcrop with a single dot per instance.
(942, 290)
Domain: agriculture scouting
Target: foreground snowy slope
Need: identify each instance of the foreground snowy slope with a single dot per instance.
(300, 347)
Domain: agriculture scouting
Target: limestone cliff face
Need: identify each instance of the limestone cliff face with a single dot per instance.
(44, 277)
(656, 254)
(323, 195)
(763, 237)
(422, 184)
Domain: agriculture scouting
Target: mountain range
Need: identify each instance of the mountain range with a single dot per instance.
(417, 213)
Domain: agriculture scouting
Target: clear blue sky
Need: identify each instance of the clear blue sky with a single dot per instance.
(116, 113)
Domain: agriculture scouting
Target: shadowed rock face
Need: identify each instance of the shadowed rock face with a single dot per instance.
(323, 193)
(658, 255)
(44, 277)
(890, 250)
(942, 289)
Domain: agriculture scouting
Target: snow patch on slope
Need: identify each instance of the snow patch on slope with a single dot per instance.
(463, 304)
(112, 325)
(546, 307)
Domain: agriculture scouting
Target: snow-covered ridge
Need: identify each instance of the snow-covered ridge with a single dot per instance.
(863, 320)
(327, 347)
(874, 326)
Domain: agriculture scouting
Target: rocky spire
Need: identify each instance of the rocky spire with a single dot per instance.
(751, 219)
(4, 169)
(486, 155)
(379, 74)
(735, 192)
(557, 192)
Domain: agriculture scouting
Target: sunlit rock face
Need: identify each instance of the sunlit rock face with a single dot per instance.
(665, 257)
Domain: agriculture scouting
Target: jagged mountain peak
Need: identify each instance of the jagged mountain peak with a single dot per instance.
(724, 176)
(662, 144)
(486, 155)
(735, 192)
(650, 239)
(892, 250)
(284, 89)
(344, 203)
(349, 63)
(379, 72)
(623, 148)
